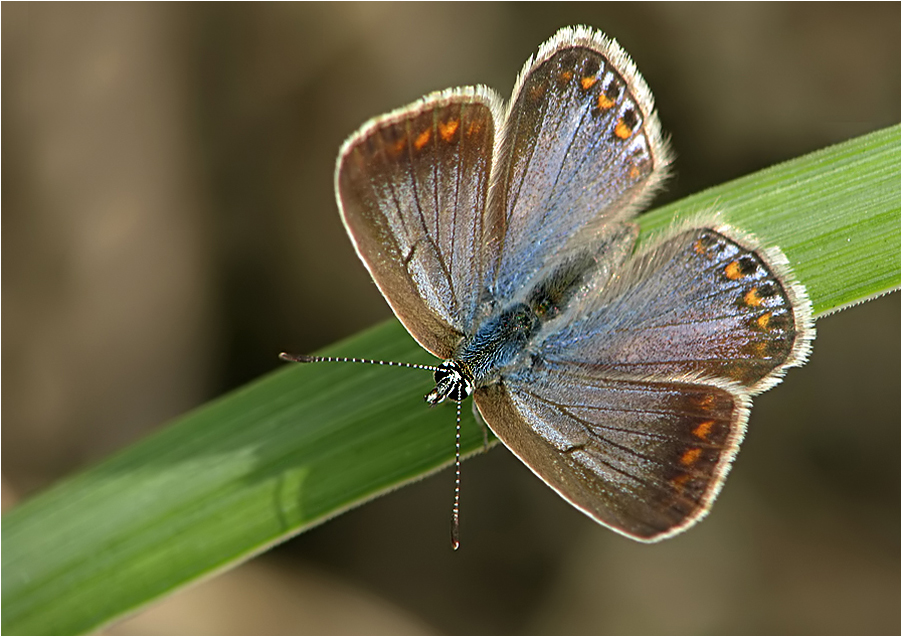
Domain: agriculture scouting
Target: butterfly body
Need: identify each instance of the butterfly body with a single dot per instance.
(502, 238)
(504, 338)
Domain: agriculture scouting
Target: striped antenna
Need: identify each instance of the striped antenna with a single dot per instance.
(455, 508)
(304, 358)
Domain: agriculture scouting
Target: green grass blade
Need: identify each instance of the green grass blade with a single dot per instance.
(310, 441)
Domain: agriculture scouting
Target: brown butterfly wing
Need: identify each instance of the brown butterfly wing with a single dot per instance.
(645, 458)
(412, 190)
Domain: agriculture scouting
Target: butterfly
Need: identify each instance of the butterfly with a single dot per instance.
(502, 237)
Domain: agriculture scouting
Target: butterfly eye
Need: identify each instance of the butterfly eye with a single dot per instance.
(452, 381)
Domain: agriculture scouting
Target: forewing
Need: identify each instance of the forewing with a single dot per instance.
(412, 190)
(581, 147)
(702, 304)
(645, 458)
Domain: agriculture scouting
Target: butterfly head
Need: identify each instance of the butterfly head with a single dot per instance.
(453, 381)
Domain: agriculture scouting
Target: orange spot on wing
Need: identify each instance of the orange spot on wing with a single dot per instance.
(588, 82)
(537, 92)
(474, 128)
(733, 271)
(399, 146)
(680, 481)
(752, 298)
(622, 130)
(566, 76)
(705, 402)
(447, 129)
(422, 139)
(703, 429)
(690, 456)
(699, 247)
(634, 172)
(764, 320)
(605, 102)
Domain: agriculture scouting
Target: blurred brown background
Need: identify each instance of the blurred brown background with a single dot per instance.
(170, 227)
